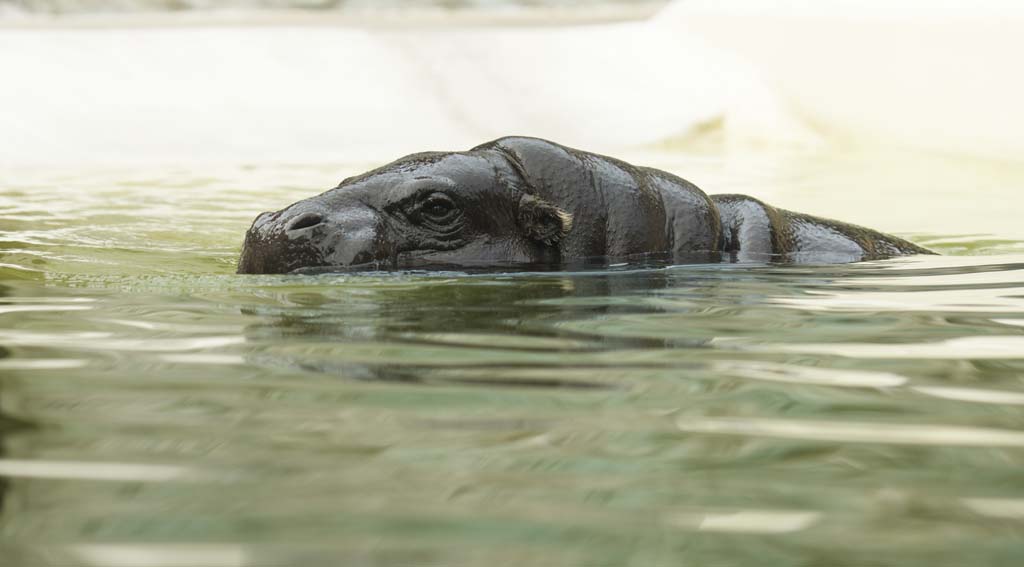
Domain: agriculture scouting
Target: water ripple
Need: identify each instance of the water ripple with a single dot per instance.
(994, 347)
(105, 471)
(107, 342)
(163, 555)
(746, 521)
(974, 395)
(856, 432)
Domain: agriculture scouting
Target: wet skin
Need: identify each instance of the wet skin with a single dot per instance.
(527, 201)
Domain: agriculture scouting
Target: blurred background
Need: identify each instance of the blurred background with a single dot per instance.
(315, 80)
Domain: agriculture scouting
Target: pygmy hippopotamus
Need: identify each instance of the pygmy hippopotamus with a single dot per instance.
(526, 201)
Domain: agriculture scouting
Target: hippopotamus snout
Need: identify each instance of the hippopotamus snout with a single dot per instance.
(309, 235)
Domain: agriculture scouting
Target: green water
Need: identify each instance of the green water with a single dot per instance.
(158, 410)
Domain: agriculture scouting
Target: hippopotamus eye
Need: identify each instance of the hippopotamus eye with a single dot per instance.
(438, 208)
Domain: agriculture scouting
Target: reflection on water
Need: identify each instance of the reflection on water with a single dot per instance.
(3, 435)
(156, 409)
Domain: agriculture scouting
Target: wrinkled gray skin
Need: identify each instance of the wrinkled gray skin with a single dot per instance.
(526, 201)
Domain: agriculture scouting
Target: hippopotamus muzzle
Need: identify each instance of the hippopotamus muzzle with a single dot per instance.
(308, 235)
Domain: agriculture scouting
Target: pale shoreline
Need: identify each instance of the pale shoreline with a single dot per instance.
(420, 17)
(299, 85)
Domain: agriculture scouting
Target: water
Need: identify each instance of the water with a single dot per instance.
(158, 410)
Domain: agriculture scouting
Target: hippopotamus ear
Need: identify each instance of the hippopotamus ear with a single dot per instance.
(542, 221)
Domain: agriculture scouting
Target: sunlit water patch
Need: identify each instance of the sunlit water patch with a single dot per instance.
(156, 409)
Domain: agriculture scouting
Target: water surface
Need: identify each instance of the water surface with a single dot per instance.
(156, 409)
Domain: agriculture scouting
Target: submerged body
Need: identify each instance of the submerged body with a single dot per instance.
(530, 201)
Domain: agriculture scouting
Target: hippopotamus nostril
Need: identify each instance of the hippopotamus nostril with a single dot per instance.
(305, 220)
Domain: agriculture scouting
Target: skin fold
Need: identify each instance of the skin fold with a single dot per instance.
(520, 201)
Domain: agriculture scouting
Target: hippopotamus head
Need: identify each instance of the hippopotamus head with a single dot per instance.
(511, 201)
(459, 208)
